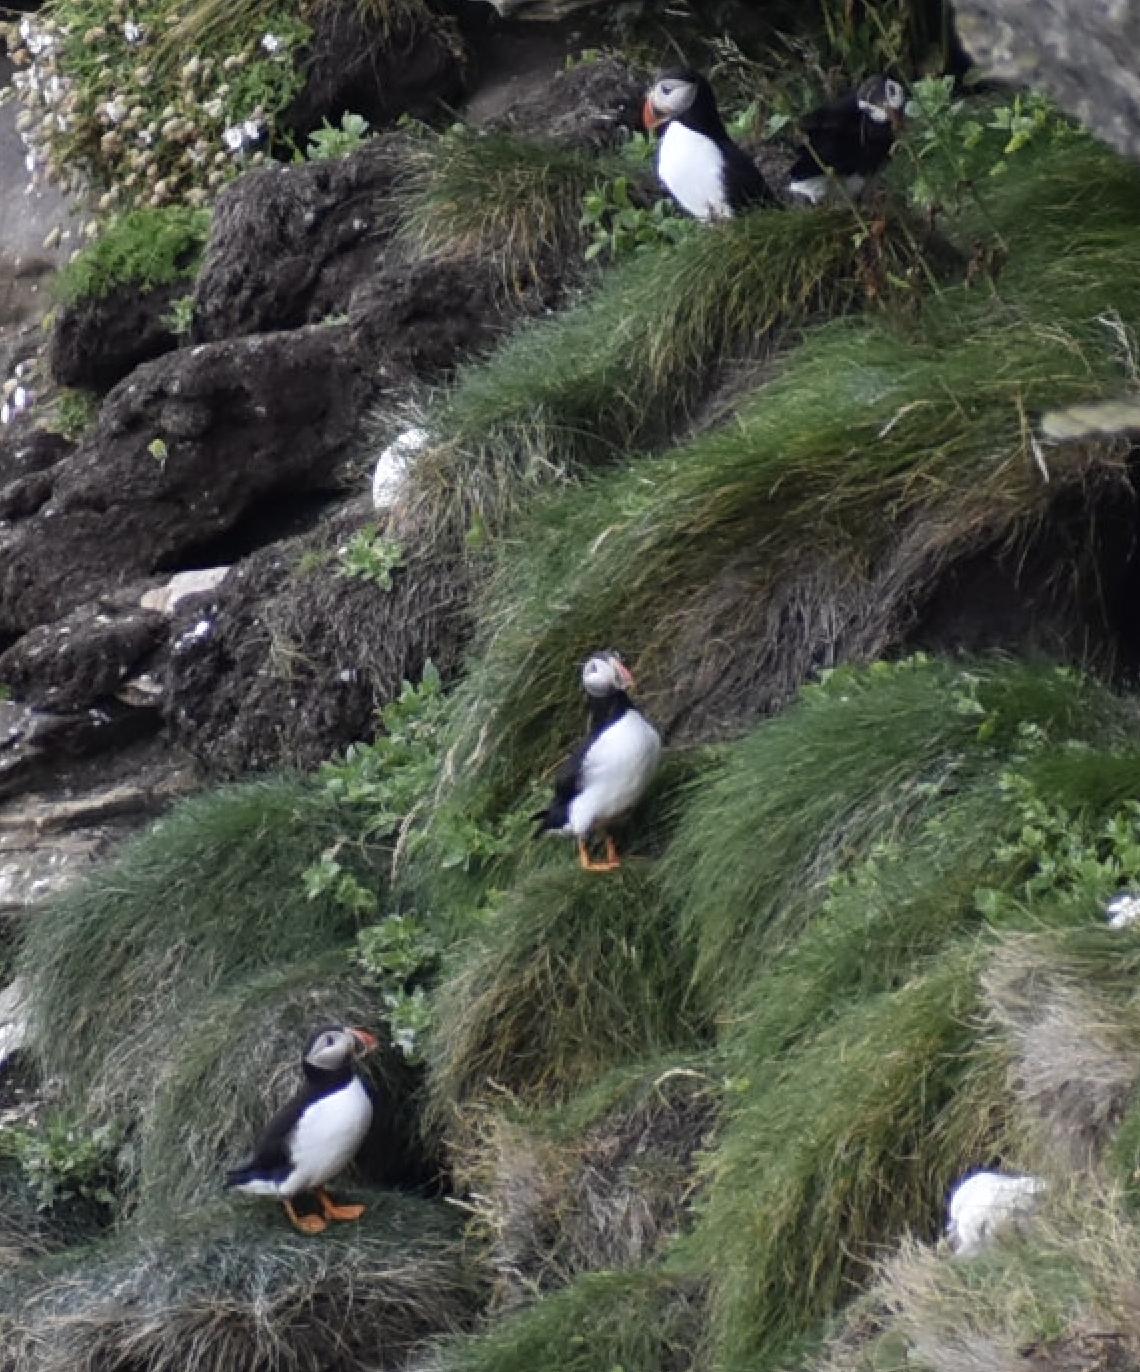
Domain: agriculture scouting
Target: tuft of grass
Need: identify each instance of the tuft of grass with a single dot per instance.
(124, 970)
(500, 198)
(217, 1294)
(625, 368)
(571, 975)
(143, 249)
(637, 1321)
(855, 1139)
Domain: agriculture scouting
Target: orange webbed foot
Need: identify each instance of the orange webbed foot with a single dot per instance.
(332, 1211)
(307, 1224)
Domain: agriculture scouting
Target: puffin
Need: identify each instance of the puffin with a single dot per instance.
(697, 162)
(317, 1133)
(606, 777)
(849, 139)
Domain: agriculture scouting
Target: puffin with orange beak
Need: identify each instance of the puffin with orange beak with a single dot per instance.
(849, 140)
(611, 771)
(317, 1133)
(697, 162)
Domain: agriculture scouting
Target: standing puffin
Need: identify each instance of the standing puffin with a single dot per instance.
(697, 162)
(317, 1134)
(849, 139)
(610, 772)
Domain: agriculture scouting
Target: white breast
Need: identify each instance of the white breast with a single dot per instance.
(616, 770)
(691, 166)
(327, 1137)
(984, 1204)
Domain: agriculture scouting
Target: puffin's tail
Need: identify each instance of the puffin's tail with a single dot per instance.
(240, 1176)
(552, 820)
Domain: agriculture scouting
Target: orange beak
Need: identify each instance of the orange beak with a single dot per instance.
(649, 116)
(898, 119)
(625, 677)
(368, 1042)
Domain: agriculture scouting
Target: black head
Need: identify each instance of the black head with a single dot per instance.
(683, 94)
(605, 674)
(335, 1047)
(882, 99)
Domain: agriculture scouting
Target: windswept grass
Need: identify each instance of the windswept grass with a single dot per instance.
(637, 1321)
(499, 198)
(218, 1295)
(625, 368)
(572, 974)
(201, 923)
(852, 1141)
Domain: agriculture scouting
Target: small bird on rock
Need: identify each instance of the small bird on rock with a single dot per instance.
(848, 140)
(697, 162)
(317, 1134)
(611, 771)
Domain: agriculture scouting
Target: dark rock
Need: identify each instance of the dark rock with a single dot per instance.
(419, 319)
(1080, 51)
(268, 415)
(83, 657)
(98, 341)
(289, 660)
(366, 61)
(23, 451)
(287, 245)
(593, 105)
(35, 746)
(25, 495)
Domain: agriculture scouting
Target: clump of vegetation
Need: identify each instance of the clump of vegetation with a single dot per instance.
(618, 227)
(73, 413)
(123, 100)
(61, 1162)
(373, 556)
(142, 249)
(330, 142)
(498, 198)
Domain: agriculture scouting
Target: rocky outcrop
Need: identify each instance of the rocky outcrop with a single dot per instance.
(97, 341)
(288, 245)
(381, 62)
(1081, 51)
(592, 105)
(184, 451)
(287, 662)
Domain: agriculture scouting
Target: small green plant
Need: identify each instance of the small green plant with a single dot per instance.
(371, 556)
(618, 227)
(143, 249)
(159, 451)
(396, 953)
(61, 1162)
(180, 319)
(329, 142)
(952, 149)
(74, 411)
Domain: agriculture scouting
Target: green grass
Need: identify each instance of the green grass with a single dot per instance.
(572, 974)
(203, 915)
(495, 197)
(625, 368)
(142, 249)
(217, 1293)
(639, 1322)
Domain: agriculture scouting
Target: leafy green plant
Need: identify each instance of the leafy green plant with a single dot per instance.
(73, 412)
(62, 1162)
(144, 249)
(618, 227)
(180, 318)
(329, 142)
(953, 146)
(396, 953)
(372, 556)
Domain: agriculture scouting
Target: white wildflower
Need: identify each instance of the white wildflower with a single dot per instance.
(272, 44)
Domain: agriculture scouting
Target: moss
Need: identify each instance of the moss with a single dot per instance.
(142, 249)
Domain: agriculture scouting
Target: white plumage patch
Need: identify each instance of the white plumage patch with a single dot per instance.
(691, 166)
(817, 188)
(986, 1203)
(324, 1141)
(616, 770)
(393, 465)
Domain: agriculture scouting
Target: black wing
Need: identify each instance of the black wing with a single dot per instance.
(557, 813)
(271, 1152)
(746, 186)
(843, 138)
